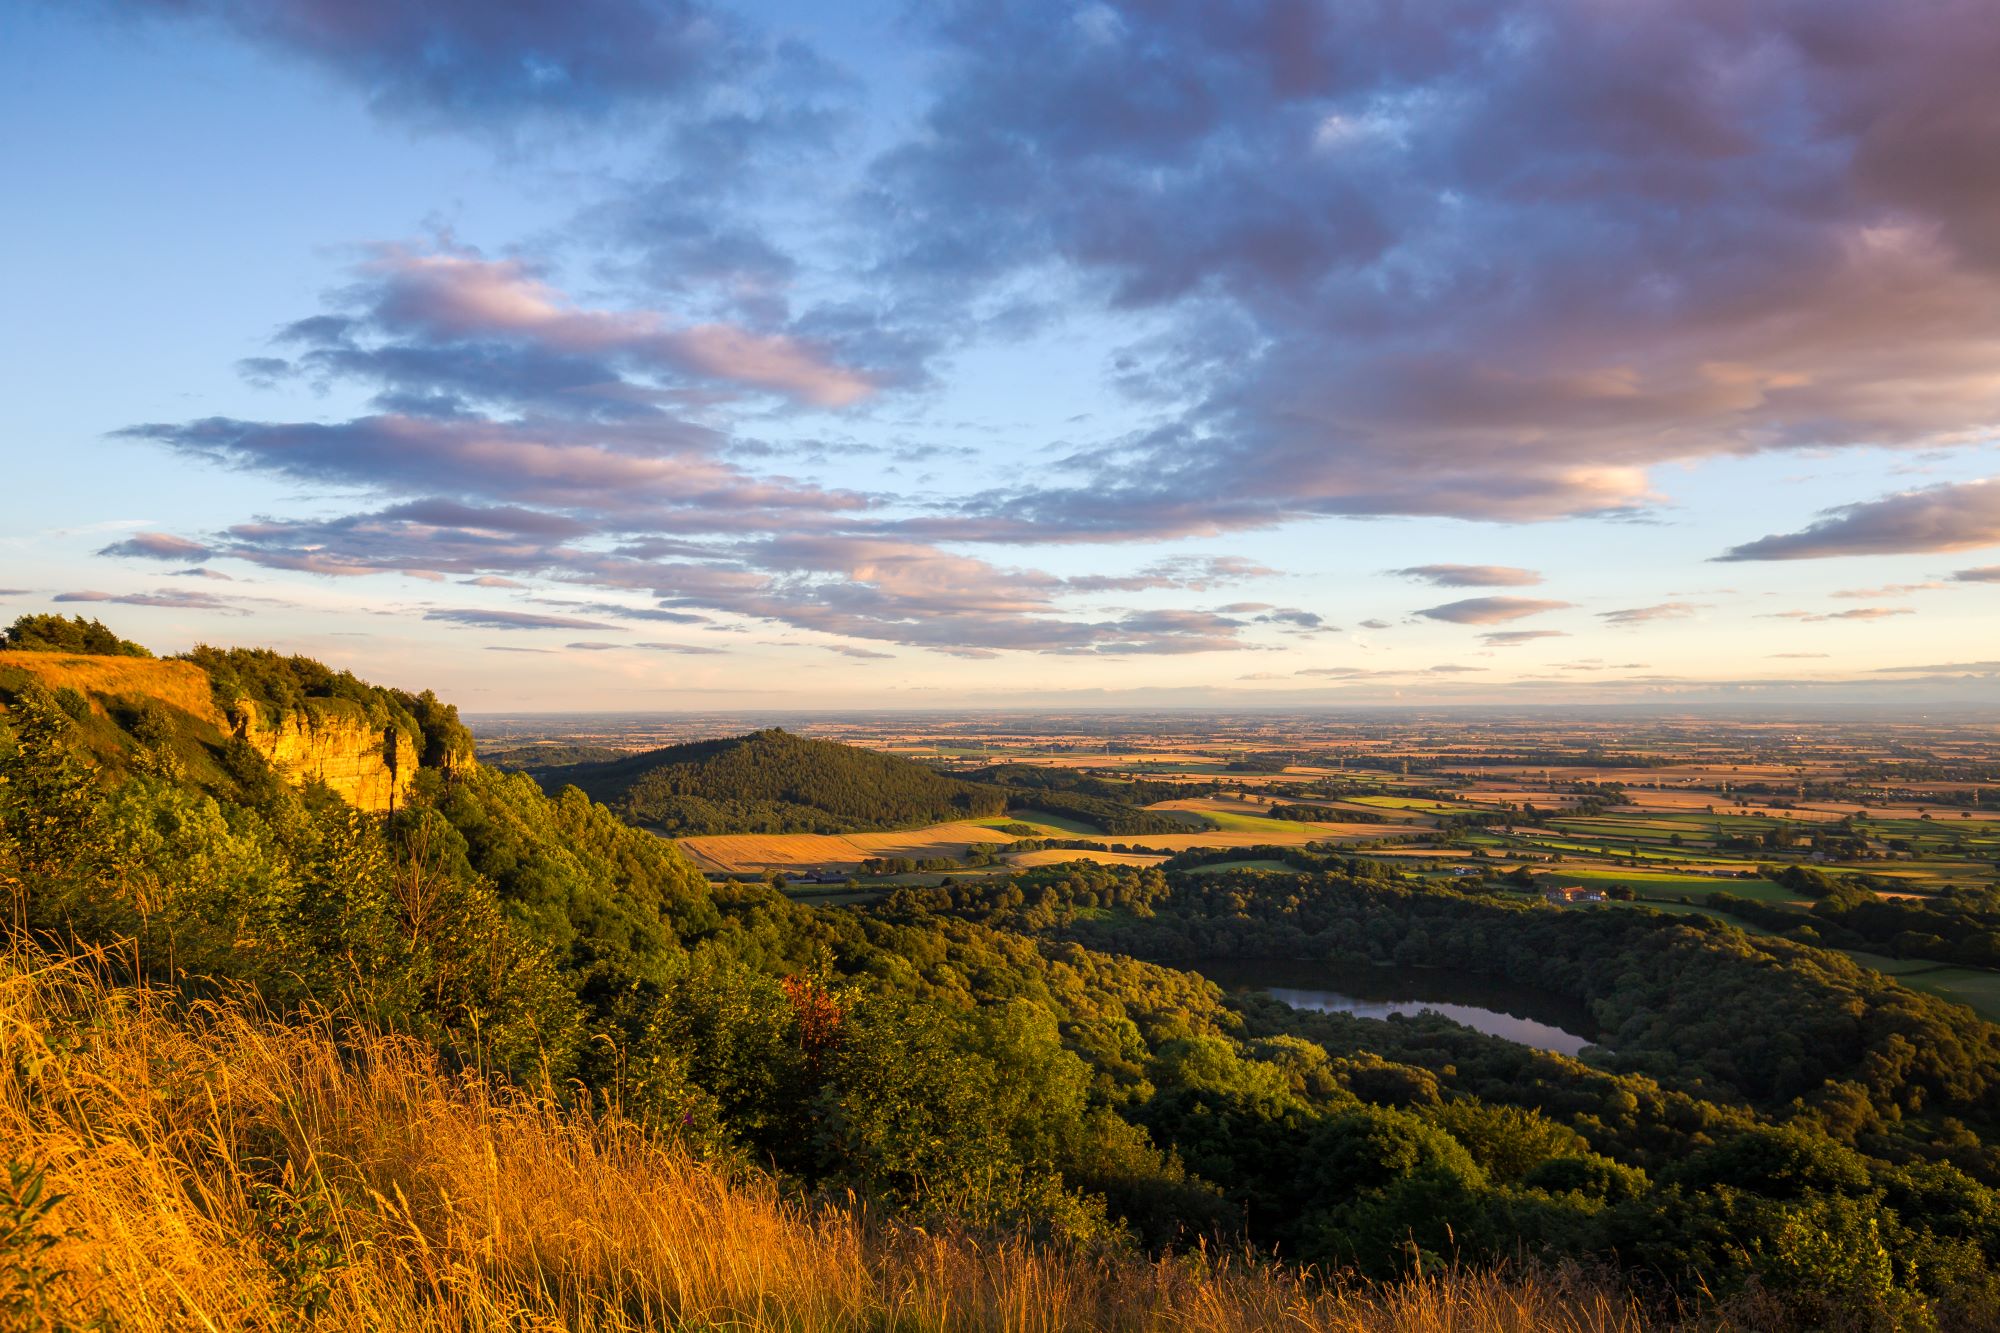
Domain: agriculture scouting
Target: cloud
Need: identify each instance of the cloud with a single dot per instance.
(1955, 516)
(850, 650)
(619, 472)
(471, 62)
(1858, 613)
(1982, 574)
(1889, 590)
(1974, 668)
(1471, 576)
(484, 619)
(689, 649)
(1197, 573)
(1490, 610)
(158, 546)
(1402, 270)
(442, 329)
(624, 612)
(1639, 615)
(1362, 261)
(1297, 621)
(168, 598)
(1513, 638)
(1380, 673)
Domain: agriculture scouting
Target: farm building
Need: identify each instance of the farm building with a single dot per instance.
(1562, 896)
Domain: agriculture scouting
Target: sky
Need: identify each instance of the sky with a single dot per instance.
(675, 355)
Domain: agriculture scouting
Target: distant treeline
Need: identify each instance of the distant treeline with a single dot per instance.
(1112, 806)
(1955, 925)
(1320, 814)
(543, 756)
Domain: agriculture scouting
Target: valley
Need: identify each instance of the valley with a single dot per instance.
(1679, 815)
(1363, 998)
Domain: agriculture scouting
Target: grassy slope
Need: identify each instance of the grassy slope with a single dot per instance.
(220, 1171)
(181, 685)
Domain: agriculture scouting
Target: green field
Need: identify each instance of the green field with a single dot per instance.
(1236, 823)
(1976, 989)
(1665, 884)
(1051, 825)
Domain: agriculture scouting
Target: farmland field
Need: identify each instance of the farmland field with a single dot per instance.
(737, 853)
(1675, 809)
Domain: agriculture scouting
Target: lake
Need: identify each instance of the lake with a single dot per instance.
(1499, 1009)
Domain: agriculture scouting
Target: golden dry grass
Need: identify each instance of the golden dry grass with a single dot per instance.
(181, 685)
(1051, 856)
(752, 852)
(226, 1172)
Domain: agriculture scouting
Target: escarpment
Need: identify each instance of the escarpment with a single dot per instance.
(309, 724)
(369, 764)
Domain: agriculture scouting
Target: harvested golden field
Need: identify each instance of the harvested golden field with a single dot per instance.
(1222, 804)
(753, 853)
(1050, 856)
(181, 685)
(1180, 842)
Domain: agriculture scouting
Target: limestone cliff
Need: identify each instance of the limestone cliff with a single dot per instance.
(354, 748)
(370, 765)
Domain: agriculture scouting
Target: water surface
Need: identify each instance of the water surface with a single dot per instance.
(1499, 1009)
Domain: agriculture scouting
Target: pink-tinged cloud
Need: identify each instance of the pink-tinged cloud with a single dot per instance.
(608, 469)
(1956, 516)
(1888, 590)
(1471, 576)
(1858, 613)
(158, 546)
(460, 298)
(1639, 615)
(1491, 610)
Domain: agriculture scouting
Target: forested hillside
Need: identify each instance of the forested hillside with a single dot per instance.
(1016, 1061)
(775, 782)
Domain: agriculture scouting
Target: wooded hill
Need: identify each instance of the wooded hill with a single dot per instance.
(774, 782)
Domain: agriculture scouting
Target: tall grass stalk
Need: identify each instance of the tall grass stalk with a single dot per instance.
(221, 1170)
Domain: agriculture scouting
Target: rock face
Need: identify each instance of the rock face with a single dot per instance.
(370, 765)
